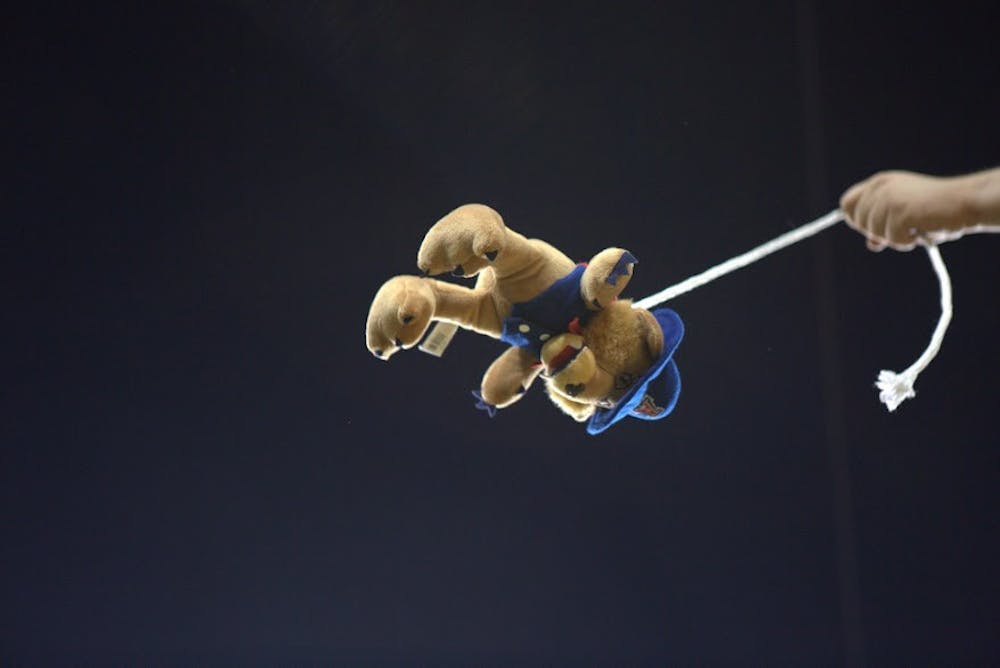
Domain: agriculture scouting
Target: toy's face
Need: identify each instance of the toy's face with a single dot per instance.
(599, 366)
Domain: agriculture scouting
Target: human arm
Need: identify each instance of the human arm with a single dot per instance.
(902, 209)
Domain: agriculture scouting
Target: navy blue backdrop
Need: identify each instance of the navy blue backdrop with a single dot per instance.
(202, 463)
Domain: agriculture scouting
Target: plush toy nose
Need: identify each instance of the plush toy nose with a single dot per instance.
(559, 351)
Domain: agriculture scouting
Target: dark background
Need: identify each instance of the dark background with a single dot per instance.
(201, 461)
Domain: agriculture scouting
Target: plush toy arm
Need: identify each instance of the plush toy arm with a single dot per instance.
(405, 305)
(606, 276)
(509, 377)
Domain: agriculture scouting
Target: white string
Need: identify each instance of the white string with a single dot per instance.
(740, 261)
(893, 388)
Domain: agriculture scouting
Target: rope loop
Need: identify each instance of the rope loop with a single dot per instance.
(894, 388)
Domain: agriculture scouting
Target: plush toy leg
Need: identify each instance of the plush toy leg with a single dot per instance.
(509, 377)
(405, 305)
(606, 276)
(464, 242)
(473, 238)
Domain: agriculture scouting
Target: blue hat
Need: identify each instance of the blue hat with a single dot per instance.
(655, 393)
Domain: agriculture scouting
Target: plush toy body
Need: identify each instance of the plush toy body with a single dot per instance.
(601, 359)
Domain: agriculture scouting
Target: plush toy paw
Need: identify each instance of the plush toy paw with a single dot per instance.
(464, 242)
(399, 315)
(509, 377)
(606, 276)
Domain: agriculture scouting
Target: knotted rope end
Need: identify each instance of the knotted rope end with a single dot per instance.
(895, 388)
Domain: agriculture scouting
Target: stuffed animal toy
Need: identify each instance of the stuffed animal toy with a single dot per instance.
(600, 358)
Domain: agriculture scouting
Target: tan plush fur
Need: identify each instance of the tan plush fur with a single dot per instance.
(618, 343)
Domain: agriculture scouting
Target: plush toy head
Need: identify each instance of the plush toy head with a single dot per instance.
(601, 359)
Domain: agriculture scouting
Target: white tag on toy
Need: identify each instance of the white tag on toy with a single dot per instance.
(439, 338)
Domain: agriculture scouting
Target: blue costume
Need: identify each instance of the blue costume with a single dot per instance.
(532, 323)
(560, 308)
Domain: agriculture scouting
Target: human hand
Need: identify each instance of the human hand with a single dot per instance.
(902, 209)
